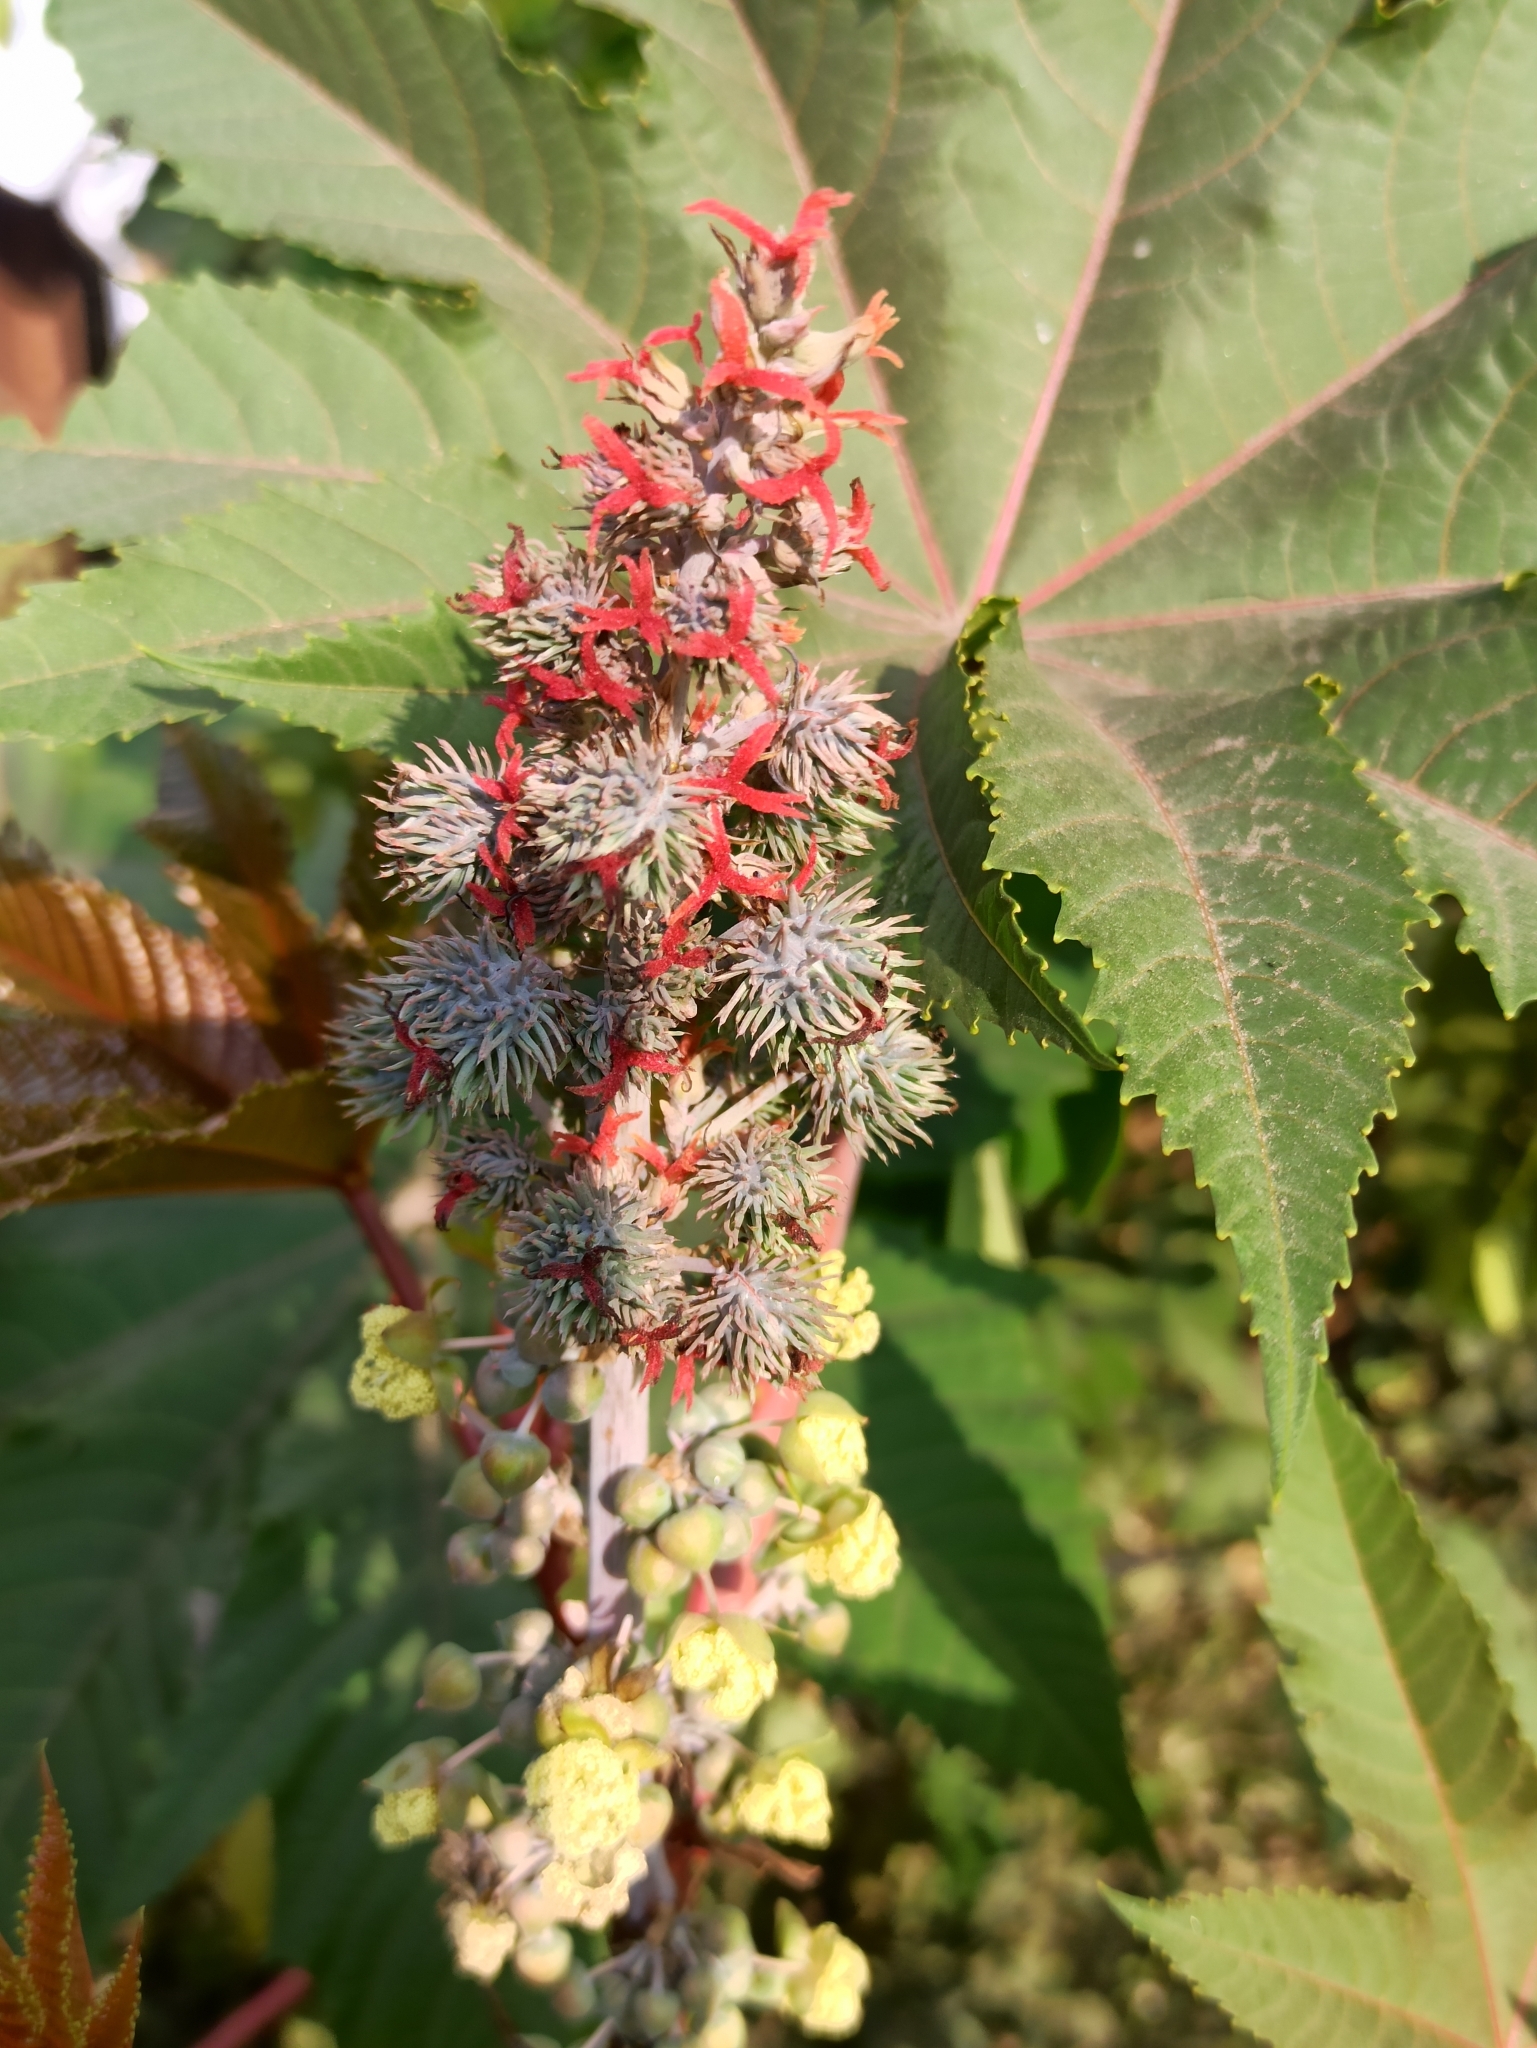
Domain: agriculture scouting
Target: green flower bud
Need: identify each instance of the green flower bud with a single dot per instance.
(725, 2028)
(650, 1573)
(450, 1679)
(573, 1391)
(525, 1633)
(826, 1633)
(504, 1380)
(543, 1958)
(576, 1997)
(655, 1816)
(730, 1404)
(520, 1557)
(651, 2014)
(650, 1716)
(723, 1930)
(472, 1493)
(756, 1487)
(472, 1557)
(718, 1463)
(641, 1497)
(736, 1535)
(512, 1461)
(693, 1536)
(531, 1513)
(516, 1725)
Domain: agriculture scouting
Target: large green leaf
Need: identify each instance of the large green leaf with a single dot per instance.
(994, 1631)
(1215, 359)
(226, 391)
(1391, 1673)
(145, 1347)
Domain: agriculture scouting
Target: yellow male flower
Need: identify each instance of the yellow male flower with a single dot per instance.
(483, 1939)
(856, 1328)
(826, 1995)
(730, 1661)
(860, 1558)
(408, 1816)
(787, 1801)
(584, 1796)
(825, 1443)
(390, 1373)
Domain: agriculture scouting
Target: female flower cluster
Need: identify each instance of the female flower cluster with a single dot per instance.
(653, 991)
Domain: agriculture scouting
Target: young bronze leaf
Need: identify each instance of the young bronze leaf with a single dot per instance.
(1410, 1723)
(47, 1997)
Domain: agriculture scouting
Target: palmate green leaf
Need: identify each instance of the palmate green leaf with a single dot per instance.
(226, 391)
(144, 1348)
(994, 1632)
(1412, 1729)
(1192, 357)
(127, 647)
(975, 962)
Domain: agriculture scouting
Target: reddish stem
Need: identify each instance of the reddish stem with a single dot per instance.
(393, 1259)
(840, 1178)
(285, 1991)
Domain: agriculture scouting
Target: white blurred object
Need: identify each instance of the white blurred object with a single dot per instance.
(51, 155)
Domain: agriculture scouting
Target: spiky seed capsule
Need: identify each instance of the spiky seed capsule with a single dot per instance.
(880, 1090)
(758, 1322)
(756, 1178)
(815, 967)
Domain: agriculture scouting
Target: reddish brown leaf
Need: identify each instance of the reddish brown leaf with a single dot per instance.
(292, 1133)
(116, 2006)
(21, 2017)
(56, 1956)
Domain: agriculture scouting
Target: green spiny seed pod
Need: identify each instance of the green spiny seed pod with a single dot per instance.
(472, 1558)
(472, 1493)
(756, 1487)
(450, 1679)
(641, 1497)
(693, 1536)
(573, 1391)
(543, 1958)
(736, 1535)
(503, 1380)
(513, 1461)
(718, 1463)
(826, 1633)
(650, 2014)
(651, 1574)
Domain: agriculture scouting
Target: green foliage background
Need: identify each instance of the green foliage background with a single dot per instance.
(1218, 330)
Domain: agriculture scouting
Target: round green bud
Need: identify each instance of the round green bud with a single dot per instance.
(472, 1558)
(651, 2014)
(573, 1391)
(718, 1463)
(576, 1997)
(651, 1716)
(641, 1497)
(531, 1513)
(655, 1816)
(725, 2028)
(520, 1557)
(513, 1461)
(450, 1679)
(736, 1535)
(826, 1633)
(504, 1380)
(650, 1573)
(693, 1536)
(730, 1403)
(723, 1930)
(695, 1418)
(543, 1958)
(756, 1487)
(525, 1633)
(472, 1493)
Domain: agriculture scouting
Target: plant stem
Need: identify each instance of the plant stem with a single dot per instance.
(841, 1179)
(620, 1436)
(393, 1259)
(285, 1991)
